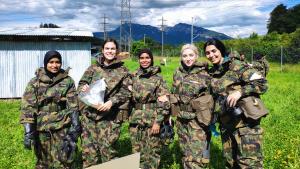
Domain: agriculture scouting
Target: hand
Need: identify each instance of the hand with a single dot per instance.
(105, 107)
(155, 128)
(75, 129)
(163, 98)
(28, 140)
(233, 98)
(85, 88)
(29, 136)
(68, 149)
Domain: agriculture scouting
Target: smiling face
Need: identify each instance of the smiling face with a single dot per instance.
(213, 54)
(189, 57)
(109, 52)
(54, 65)
(145, 60)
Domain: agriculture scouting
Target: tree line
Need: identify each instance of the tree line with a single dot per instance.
(283, 20)
(48, 25)
(283, 37)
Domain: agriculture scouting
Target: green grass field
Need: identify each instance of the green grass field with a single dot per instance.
(281, 127)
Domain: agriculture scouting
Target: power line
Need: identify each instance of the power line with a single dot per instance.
(162, 26)
(125, 34)
(104, 23)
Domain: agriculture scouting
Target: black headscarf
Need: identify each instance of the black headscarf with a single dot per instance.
(48, 56)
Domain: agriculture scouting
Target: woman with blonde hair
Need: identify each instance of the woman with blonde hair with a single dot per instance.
(191, 92)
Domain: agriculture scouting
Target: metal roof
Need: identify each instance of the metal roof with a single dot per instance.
(45, 32)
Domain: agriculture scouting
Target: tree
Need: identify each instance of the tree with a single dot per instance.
(294, 18)
(137, 46)
(50, 25)
(293, 49)
(283, 20)
(277, 20)
(254, 35)
(45, 25)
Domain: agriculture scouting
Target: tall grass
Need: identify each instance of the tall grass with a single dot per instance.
(281, 127)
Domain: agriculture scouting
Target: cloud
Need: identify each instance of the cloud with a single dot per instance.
(232, 17)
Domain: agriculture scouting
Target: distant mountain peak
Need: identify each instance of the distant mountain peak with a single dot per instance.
(174, 35)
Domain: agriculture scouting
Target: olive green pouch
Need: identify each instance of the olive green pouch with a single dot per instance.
(203, 106)
(175, 109)
(253, 107)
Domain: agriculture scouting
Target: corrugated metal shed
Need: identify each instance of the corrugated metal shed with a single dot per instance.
(20, 59)
(45, 32)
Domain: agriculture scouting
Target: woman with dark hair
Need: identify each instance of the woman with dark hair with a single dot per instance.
(101, 123)
(191, 91)
(50, 114)
(236, 88)
(150, 98)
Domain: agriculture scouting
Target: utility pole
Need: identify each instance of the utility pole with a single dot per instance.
(144, 39)
(252, 54)
(281, 58)
(162, 26)
(104, 23)
(193, 36)
(192, 31)
(125, 27)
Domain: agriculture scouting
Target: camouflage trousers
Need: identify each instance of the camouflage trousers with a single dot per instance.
(148, 145)
(98, 138)
(242, 147)
(193, 140)
(48, 150)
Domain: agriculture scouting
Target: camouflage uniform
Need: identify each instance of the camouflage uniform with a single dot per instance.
(48, 103)
(262, 66)
(189, 84)
(100, 130)
(241, 137)
(148, 85)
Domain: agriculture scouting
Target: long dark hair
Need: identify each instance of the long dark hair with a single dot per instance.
(218, 44)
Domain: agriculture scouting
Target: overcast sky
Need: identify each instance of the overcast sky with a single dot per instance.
(232, 17)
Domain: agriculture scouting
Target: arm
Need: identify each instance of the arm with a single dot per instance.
(86, 78)
(252, 82)
(255, 82)
(124, 93)
(72, 106)
(29, 104)
(29, 110)
(163, 102)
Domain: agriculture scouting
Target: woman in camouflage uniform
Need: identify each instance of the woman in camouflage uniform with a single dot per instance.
(233, 80)
(151, 105)
(50, 114)
(190, 83)
(101, 123)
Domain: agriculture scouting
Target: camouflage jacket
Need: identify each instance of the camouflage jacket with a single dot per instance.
(262, 66)
(117, 79)
(49, 102)
(233, 75)
(147, 86)
(189, 84)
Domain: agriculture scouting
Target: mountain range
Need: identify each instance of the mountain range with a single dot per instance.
(178, 34)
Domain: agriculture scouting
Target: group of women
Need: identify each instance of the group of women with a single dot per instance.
(199, 97)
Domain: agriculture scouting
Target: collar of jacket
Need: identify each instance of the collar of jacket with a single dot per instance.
(43, 77)
(196, 68)
(150, 71)
(115, 63)
(221, 69)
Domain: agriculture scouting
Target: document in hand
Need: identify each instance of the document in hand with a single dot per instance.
(95, 94)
